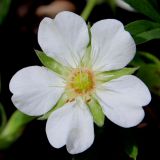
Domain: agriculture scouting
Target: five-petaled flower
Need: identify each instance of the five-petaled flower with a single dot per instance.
(87, 60)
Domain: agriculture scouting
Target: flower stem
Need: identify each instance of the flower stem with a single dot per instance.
(88, 8)
(3, 118)
(13, 129)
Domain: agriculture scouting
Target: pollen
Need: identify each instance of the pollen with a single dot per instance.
(81, 81)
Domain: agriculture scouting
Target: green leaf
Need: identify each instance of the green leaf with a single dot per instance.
(147, 36)
(110, 75)
(149, 70)
(4, 8)
(132, 151)
(150, 74)
(52, 64)
(3, 117)
(146, 8)
(96, 111)
(154, 3)
(143, 58)
(143, 30)
(141, 26)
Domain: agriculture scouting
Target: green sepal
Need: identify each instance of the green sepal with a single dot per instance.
(86, 60)
(96, 111)
(52, 64)
(110, 75)
(3, 117)
(60, 103)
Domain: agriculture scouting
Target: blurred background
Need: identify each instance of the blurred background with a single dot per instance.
(18, 39)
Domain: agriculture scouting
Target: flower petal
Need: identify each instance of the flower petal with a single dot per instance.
(64, 38)
(58, 125)
(35, 90)
(71, 125)
(122, 100)
(112, 47)
(123, 116)
(81, 134)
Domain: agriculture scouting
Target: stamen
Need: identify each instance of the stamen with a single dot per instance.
(81, 82)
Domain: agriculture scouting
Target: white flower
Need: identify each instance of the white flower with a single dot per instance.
(37, 89)
(124, 5)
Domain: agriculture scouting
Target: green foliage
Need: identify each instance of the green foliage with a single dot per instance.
(4, 8)
(149, 70)
(147, 36)
(130, 143)
(143, 30)
(141, 26)
(132, 151)
(145, 7)
(150, 74)
(3, 118)
(13, 129)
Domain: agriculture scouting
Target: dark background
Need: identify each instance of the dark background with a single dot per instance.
(18, 39)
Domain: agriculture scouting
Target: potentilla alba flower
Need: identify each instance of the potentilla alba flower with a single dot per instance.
(91, 84)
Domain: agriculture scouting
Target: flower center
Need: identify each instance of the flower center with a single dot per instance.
(81, 81)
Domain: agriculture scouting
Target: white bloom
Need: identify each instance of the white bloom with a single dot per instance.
(37, 89)
(124, 5)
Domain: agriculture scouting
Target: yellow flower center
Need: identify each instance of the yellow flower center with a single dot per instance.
(81, 82)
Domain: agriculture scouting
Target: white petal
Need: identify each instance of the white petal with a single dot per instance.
(112, 46)
(81, 134)
(58, 125)
(123, 116)
(64, 38)
(122, 100)
(35, 90)
(124, 5)
(71, 125)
